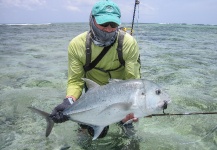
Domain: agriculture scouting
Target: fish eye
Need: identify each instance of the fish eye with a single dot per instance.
(158, 92)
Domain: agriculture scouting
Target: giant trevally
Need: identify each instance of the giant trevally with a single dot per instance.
(103, 105)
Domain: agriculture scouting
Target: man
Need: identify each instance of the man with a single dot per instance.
(104, 32)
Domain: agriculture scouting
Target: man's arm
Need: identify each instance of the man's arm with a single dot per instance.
(132, 62)
(75, 71)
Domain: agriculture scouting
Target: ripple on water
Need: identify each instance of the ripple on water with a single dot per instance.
(179, 57)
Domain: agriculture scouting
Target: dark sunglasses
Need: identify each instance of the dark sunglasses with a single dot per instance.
(112, 24)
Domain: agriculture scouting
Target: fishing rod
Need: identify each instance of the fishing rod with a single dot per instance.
(136, 3)
(182, 114)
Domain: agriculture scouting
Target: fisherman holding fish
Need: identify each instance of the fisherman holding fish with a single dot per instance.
(103, 53)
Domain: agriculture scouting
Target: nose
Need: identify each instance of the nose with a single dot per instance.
(109, 29)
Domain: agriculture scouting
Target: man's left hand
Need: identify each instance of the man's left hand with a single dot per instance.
(57, 113)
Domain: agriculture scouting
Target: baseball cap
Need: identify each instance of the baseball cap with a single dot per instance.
(106, 11)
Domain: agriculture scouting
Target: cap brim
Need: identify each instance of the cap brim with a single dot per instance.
(107, 18)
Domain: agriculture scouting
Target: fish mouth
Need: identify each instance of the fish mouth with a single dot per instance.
(163, 104)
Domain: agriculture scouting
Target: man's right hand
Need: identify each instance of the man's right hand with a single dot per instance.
(57, 113)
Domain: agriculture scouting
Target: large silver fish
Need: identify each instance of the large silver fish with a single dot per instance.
(108, 104)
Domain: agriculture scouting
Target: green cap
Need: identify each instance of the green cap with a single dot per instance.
(106, 11)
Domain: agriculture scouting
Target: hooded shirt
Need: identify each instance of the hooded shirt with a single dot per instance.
(77, 59)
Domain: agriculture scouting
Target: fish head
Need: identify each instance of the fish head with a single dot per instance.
(156, 99)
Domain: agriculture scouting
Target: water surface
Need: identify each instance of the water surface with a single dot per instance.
(33, 72)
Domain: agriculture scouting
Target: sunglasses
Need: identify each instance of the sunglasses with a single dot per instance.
(112, 24)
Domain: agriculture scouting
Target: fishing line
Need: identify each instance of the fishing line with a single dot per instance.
(192, 113)
(137, 22)
(210, 132)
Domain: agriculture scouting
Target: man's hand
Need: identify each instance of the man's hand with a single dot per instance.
(129, 117)
(57, 113)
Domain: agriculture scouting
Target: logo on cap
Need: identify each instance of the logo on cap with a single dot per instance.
(109, 8)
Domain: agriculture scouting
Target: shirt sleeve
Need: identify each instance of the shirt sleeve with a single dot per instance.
(132, 60)
(75, 70)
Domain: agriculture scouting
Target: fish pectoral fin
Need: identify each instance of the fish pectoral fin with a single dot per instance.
(122, 106)
(97, 131)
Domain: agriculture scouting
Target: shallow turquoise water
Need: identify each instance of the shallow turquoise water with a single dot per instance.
(33, 72)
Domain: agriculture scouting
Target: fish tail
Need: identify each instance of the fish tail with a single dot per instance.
(45, 115)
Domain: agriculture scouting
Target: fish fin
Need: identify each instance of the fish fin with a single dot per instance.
(90, 84)
(45, 115)
(114, 80)
(97, 131)
(122, 106)
(50, 125)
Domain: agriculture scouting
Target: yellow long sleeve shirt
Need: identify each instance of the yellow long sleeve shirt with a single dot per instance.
(77, 59)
